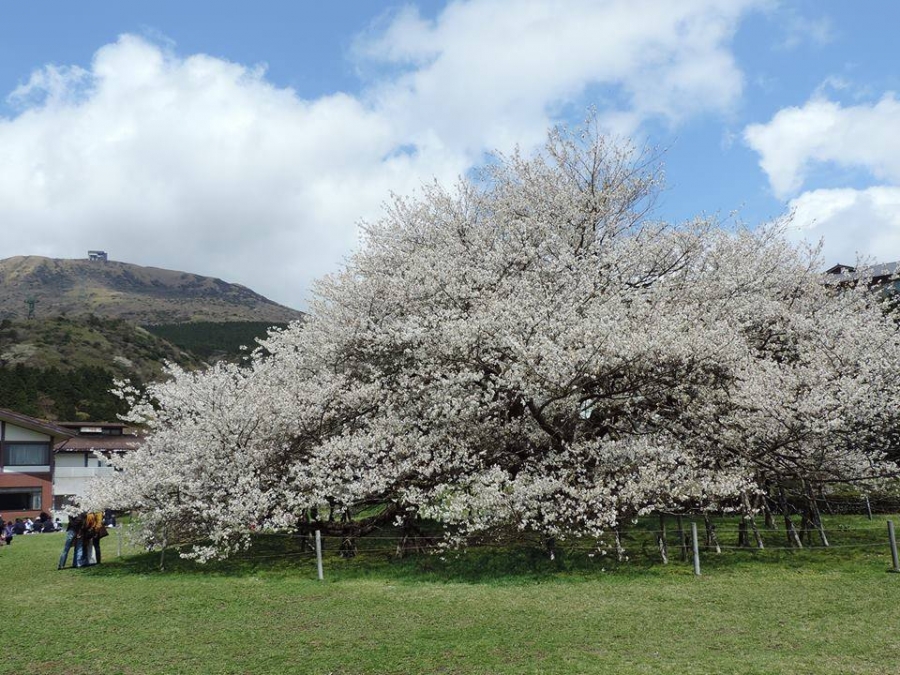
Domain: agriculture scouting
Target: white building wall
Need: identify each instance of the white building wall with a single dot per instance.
(77, 459)
(74, 480)
(71, 476)
(70, 459)
(14, 433)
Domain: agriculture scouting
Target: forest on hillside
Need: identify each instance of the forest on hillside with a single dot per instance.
(214, 340)
(81, 393)
(63, 368)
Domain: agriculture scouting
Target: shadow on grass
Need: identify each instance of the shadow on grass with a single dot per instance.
(283, 556)
(512, 563)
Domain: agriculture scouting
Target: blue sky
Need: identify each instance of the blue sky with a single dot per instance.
(249, 141)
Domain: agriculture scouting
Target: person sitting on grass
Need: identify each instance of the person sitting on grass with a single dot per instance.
(7, 532)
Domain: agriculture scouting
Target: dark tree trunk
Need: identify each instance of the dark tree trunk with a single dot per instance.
(767, 509)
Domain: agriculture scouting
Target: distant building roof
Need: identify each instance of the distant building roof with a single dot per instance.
(101, 425)
(34, 424)
(90, 436)
(105, 428)
(124, 443)
(876, 273)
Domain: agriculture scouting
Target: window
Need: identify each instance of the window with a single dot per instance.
(26, 454)
(62, 501)
(20, 499)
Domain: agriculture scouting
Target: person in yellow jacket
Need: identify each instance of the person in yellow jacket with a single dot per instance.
(93, 531)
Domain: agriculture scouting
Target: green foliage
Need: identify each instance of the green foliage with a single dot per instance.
(214, 340)
(78, 393)
(63, 368)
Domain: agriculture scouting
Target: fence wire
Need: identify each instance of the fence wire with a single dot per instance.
(636, 545)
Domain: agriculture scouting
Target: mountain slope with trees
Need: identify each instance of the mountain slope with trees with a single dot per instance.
(64, 367)
(215, 340)
(69, 328)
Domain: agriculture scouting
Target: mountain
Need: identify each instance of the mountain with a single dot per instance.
(139, 295)
(97, 321)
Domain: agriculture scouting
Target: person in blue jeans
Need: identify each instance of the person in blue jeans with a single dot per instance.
(73, 533)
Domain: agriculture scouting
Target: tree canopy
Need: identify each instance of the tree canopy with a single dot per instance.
(530, 349)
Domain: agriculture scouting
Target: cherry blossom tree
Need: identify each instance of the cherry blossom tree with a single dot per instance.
(530, 349)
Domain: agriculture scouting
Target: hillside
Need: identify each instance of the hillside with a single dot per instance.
(97, 321)
(140, 295)
(67, 342)
(63, 368)
(214, 341)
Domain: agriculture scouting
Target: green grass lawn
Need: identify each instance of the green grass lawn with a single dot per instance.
(484, 611)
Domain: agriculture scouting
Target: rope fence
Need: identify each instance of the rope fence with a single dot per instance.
(633, 545)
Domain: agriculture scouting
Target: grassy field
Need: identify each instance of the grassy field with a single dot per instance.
(485, 611)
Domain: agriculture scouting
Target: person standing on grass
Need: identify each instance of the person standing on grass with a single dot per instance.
(7, 531)
(73, 531)
(99, 530)
(90, 539)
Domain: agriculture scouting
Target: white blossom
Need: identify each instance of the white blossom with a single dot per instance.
(530, 349)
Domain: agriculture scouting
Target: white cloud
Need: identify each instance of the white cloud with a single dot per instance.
(484, 60)
(198, 164)
(850, 223)
(823, 132)
(800, 29)
(799, 144)
(202, 164)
